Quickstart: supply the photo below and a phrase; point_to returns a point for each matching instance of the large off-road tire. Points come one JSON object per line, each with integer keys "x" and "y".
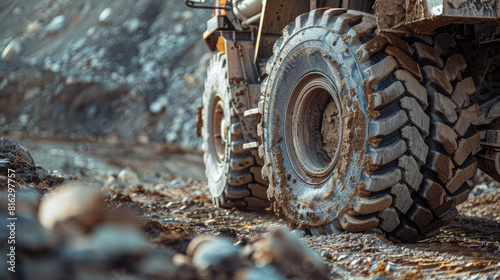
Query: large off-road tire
{"x": 353, "y": 135}
{"x": 229, "y": 168}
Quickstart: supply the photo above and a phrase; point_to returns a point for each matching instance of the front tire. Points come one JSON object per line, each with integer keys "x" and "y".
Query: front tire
{"x": 346, "y": 129}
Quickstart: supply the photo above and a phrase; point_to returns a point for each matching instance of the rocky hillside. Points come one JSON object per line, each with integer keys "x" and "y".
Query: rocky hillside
{"x": 128, "y": 68}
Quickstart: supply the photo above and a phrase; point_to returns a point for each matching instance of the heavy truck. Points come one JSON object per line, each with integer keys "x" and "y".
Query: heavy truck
{"x": 351, "y": 115}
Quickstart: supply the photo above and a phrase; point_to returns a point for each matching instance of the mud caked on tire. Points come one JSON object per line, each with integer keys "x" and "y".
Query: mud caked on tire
{"x": 232, "y": 172}
{"x": 363, "y": 131}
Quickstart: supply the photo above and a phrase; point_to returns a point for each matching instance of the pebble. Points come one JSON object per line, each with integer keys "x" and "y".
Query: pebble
{"x": 55, "y": 25}
{"x": 159, "y": 105}
{"x": 10, "y": 147}
{"x": 105, "y": 16}
{"x": 128, "y": 176}
{"x": 132, "y": 25}
{"x": 13, "y": 48}
{"x": 72, "y": 206}
{"x": 326, "y": 254}
{"x": 176, "y": 184}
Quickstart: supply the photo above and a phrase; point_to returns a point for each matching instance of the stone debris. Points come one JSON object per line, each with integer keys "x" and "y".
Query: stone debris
{"x": 13, "y": 48}
{"x": 55, "y": 25}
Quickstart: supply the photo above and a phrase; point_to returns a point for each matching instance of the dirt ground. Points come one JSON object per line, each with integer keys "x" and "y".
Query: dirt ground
{"x": 168, "y": 186}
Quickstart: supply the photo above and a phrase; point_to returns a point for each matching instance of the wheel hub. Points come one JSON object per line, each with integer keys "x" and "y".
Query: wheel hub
{"x": 219, "y": 135}
{"x": 313, "y": 127}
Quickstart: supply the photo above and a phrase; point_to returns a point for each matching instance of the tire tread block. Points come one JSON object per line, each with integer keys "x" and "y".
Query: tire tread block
{"x": 379, "y": 181}
{"x": 362, "y": 30}
{"x": 433, "y": 193}
{"x": 258, "y": 190}
{"x": 445, "y": 135}
{"x": 236, "y": 192}
{"x": 461, "y": 175}
{"x": 388, "y": 95}
{"x": 442, "y": 165}
{"x": 402, "y": 200}
{"x": 454, "y": 64}
{"x": 239, "y": 178}
{"x": 369, "y": 205}
{"x": 356, "y": 224}
{"x": 411, "y": 174}
{"x": 396, "y": 41}
{"x": 240, "y": 163}
{"x": 405, "y": 62}
{"x": 427, "y": 54}
{"x": 405, "y": 231}
{"x": 420, "y": 215}
{"x": 387, "y": 125}
{"x": 385, "y": 154}
{"x": 465, "y": 147}
{"x": 416, "y": 115}
{"x": 415, "y": 143}
{"x": 443, "y": 105}
{"x": 463, "y": 89}
{"x": 466, "y": 117}
{"x": 381, "y": 70}
{"x": 412, "y": 86}
{"x": 345, "y": 21}
{"x": 389, "y": 219}
{"x": 369, "y": 49}
{"x": 257, "y": 175}
{"x": 437, "y": 78}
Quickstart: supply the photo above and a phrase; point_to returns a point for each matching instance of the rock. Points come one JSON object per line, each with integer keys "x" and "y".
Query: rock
{"x": 176, "y": 184}
{"x": 105, "y": 16}
{"x": 108, "y": 243}
{"x": 158, "y": 105}
{"x": 285, "y": 251}
{"x": 17, "y": 11}
{"x": 130, "y": 207}
{"x": 211, "y": 255}
{"x": 91, "y": 31}
{"x": 9, "y": 147}
{"x": 187, "y": 15}
{"x": 132, "y": 25}
{"x": 178, "y": 29}
{"x": 31, "y": 93}
{"x": 72, "y": 206}
{"x": 128, "y": 176}
{"x": 13, "y": 48}
{"x": 33, "y": 26}
{"x": 55, "y": 25}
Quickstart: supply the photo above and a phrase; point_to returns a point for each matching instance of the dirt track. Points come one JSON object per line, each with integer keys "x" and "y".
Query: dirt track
{"x": 469, "y": 248}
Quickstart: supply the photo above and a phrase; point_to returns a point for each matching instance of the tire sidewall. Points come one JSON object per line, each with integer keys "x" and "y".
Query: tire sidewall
{"x": 215, "y": 85}
{"x": 314, "y": 49}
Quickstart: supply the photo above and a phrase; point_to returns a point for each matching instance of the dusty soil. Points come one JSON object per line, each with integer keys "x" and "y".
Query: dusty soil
{"x": 172, "y": 197}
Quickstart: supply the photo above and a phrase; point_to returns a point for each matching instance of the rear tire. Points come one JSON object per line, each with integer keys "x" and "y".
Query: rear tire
{"x": 375, "y": 175}
{"x": 229, "y": 168}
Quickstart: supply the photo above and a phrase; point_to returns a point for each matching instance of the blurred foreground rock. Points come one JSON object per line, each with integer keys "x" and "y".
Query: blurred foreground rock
{"x": 75, "y": 237}
{"x": 74, "y": 231}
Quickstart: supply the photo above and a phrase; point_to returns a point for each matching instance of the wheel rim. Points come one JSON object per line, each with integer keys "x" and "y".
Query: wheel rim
{"x": 218, "y": 127}
{"x": 312, "y": 158}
